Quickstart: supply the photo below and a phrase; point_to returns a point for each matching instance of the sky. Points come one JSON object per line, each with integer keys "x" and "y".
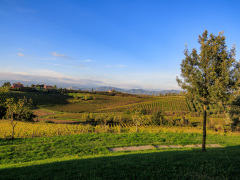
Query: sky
{"x": 120, "y": 43}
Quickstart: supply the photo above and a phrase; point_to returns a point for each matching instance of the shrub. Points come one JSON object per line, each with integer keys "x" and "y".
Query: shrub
{"x": 158, "y": 118}
{"x": 3, "y": 110}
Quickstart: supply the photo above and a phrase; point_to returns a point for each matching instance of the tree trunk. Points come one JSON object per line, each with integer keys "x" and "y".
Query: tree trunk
{"x": 204, "y": 128}
{"x": 136, "y": 128}
{"x": 13, "y": 128}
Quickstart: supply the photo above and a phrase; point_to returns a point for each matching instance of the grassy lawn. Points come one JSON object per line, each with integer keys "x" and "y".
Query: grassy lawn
{"x": 25, "y": 150}
{"x": 218, "y": 163}
{"x": 86, "y": 156}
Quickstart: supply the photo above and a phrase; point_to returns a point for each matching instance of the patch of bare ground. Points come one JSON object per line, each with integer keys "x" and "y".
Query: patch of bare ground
{"x": 131, "y": 148}
{"x": 116, "y": 149}
{"x": 214, "y": 145}
{"x": 162, "y": 146}
{"x": 135, "y": 148}
{"x": 175, "y": 146}
{"x": 190, "y": 146}
{"x": 40, "y": 112}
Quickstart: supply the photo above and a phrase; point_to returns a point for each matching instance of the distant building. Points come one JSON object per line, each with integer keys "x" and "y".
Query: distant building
{"x": 113, "y": 90}
{"x": 48, "y": 87}
{"x": 17, "y": 85}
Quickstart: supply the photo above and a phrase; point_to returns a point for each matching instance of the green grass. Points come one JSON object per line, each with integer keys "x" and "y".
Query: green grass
{"x": 24, "y": 150}
{"x": 222, "y": 163}
{"x": 86, "y": 156}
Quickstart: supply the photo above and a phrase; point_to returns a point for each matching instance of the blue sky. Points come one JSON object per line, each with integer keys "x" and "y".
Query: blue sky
{"x": 121, "y": 43}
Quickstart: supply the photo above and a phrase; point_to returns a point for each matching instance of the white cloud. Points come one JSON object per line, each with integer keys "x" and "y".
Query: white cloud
{"x": 46, "y": 72}
{"x": 23, "y": 55}
{"x": 56, "y": 54}
{"x": 20, "y": 49}
{"x": 51, "y": 77}
{"x": 36, "y": 72}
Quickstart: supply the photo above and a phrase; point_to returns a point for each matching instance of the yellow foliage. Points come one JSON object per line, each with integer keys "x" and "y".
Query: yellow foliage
{"x": 40, "y": 129}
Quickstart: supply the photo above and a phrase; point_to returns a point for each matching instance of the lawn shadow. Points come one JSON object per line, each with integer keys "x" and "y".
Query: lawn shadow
{"x": 216, "y": 163}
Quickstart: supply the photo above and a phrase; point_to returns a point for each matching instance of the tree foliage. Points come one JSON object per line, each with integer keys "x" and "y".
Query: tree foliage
{"x": 138, "y": 118}
{"x": 6, "y": 84}
{"x": 158, "y": 118}
{"x": 211, "y": 75}
{"x": 18, "y": 111}
{"x": 234, "y": 113}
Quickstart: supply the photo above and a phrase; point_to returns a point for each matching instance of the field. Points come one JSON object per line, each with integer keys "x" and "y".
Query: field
{"x": 87, "y": 156}
{"x": 74, "y": 131}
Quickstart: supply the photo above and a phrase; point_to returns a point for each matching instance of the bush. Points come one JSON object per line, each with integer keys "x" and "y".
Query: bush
{"x": 28, "y": 116}
{"x": 3, "y": 110}
{"x": 88, "y": 97}
{"x": 183, "y": 121}
{"x": 158, "y": 119}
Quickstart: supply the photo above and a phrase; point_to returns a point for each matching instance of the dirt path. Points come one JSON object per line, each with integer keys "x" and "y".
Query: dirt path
{"x": 136, "y": 148}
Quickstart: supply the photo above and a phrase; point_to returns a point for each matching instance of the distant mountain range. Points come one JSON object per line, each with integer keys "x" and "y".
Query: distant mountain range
{"x": 131, "y": 91}
{"x": 101, "y": 88}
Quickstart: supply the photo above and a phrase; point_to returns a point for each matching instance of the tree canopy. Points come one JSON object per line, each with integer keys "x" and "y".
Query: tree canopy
{"x": 211, "y": 74}
{"x": 6, "y": 84}
{"x": 18, "y": 111}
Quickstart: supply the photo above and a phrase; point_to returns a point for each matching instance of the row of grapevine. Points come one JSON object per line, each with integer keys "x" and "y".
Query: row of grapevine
{"x": 4, "y": 96}
{"x": 173, "y": 105}
{"x": 31, "y": 130}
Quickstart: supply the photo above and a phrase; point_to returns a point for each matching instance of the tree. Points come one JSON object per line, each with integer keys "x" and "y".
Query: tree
{"x": 137, "y": 118}
{"x": 209, "y": 76}
{"x": 234, "y": 113}
{"x": 18, "y": 111}
{"x": 6, "y": 84}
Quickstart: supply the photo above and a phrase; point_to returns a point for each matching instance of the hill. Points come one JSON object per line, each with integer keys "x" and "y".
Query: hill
{"x": 131, "y": 91}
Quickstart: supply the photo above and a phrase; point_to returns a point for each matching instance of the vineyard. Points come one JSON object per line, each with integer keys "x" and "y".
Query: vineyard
{"x": 78, "y": 104}
{"x": 97, "y": 103}
{"x": 30, "y": 130}
{"x": 85, "y": 107}
{"x": 160, "y": 104}
{"x": 4, "y": 96}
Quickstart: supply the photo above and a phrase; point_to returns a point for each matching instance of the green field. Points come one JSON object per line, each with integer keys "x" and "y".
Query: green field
{"x": 60, "y": 151}
{"x": 76, "y": 106}
{"x": 87, "y": 156}
{"x": 97, "y": 103}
